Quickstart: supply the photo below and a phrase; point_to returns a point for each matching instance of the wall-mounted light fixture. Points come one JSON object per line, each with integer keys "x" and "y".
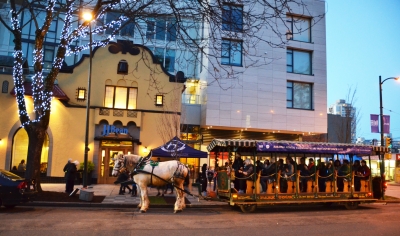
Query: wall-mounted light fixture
{"x": 159, "y": 100}
{"x": 145, "y": 150}
{"x": 81, "y": 94}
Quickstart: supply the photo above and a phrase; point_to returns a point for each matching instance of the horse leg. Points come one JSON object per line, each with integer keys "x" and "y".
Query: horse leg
{"x": 144, "y": 198}
{"x": 180, "y": 201}
{"x": 139, "y": 193}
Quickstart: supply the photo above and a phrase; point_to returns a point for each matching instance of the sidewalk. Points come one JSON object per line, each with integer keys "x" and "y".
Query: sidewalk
{"x": 114, "y": 200}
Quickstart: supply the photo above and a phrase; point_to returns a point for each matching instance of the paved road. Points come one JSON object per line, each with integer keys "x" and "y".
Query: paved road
{"x": 370, "y": 219}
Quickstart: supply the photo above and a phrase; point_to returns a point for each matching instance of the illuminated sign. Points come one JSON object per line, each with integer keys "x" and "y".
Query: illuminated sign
{"x": 107, "y": 129}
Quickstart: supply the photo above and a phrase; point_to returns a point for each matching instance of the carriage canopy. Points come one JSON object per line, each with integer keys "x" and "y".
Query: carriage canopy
{"x": 260, "y": 146}
{"x": 176, "y": 148}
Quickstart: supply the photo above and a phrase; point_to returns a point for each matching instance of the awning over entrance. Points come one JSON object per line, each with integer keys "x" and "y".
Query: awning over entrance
{"x": 177, "y": 148}
{"x": 57, "y": 91}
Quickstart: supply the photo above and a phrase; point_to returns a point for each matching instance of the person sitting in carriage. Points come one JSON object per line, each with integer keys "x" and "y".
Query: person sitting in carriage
{"x": 247, "y": 172}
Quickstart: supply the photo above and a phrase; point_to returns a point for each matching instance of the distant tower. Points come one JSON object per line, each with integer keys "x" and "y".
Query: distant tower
{"x": 347, "y": 111}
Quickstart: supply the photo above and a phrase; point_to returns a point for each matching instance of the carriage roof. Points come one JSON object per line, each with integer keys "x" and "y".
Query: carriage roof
{"x": 282, "y": 146}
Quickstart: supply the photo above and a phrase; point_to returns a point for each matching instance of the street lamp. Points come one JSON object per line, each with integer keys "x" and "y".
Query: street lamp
{"x": 87, "y": 16}
{"x": 382, "y": 131}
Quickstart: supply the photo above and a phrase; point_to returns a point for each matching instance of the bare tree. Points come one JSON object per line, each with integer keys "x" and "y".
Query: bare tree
{"x": 200, "y": 27}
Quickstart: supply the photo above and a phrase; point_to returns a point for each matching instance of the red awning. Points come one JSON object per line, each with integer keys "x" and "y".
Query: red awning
{"x": 57, "y": 91}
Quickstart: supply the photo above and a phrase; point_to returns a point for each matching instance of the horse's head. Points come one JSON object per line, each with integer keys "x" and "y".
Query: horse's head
{"x": 118, "y": 164}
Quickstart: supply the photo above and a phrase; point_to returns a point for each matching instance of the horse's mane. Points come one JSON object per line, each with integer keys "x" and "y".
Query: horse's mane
{"x": 131, "y": 159}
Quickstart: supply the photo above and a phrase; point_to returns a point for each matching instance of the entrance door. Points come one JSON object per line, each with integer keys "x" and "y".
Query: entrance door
{"x": 107, "y": 163}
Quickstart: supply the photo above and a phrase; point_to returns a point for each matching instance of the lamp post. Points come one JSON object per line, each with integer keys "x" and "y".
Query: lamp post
{"x": 382, "y": 131}
{"x": 88, "y": 18}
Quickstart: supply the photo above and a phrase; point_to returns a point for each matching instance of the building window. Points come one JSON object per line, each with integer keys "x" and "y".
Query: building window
{"x": 231, "y": 53}
{"x": 299, "y": 29}
{"x": 48, "y": 56}
{"x": 128, "y": 29}
{"x": 20, "y": 150}
{"x": 110, "y": 17}
{"x": 299, "y": 95}
{"x": 4, "y": 87}
{"x": 159, "y": 100}
{"x": 165, "y": 57}
{"x": 298, "y": 62}
{"x": 161, "y": 29}
{"x": 120, "y": 97}
{"x": 81, "y": 94}
{"x": 232, "y": 18}
{"x": 122, "y": 67}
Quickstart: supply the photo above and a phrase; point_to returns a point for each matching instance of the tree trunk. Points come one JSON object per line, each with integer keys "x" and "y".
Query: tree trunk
{"x": 36, "y": 133}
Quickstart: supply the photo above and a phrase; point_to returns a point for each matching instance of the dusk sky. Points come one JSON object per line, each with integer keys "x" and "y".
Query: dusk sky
{"x": 363, "y": 42}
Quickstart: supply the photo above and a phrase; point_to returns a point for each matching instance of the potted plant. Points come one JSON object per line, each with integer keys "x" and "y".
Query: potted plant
{"x": 90, "y": 169}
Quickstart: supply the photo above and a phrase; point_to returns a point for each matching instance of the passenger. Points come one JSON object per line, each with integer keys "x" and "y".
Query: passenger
{"x": 304, "y": 174}
{"x": 290, "y": 169}
{"x": 236, "y": 166}
{"x": 247, "y": 172}
{"x": 357, "y": 181}
{"x": 228, "y": 169}
{"x": 311, "y": 168}
{"x": 336, "y": 165}
{"x": 363, "y": 173}
{"x": 267, "y": 163}
{"x": 267, "y": 175}
{"x": 343, "y": 173}
{"x": 323, "y": 173}
{"x": 330, "y": 169}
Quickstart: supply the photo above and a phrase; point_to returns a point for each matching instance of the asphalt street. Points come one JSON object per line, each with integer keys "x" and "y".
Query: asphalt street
{"x": 368, "y": 219}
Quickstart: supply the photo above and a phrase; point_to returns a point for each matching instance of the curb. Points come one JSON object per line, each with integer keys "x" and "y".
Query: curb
{"x": 115, "y": 205}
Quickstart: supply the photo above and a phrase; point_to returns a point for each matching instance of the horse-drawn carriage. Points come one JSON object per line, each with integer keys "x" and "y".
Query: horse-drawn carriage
{"x": 297, "y": 188}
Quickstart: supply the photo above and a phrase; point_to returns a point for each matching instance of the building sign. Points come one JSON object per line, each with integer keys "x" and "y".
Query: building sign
{"x": 107, "y": 129}
{"x": 312, "y": 148}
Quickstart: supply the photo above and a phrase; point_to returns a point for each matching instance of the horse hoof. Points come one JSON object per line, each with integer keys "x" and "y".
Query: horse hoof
{"x": 177, "y": 211}
{"x": 142, "y": 211}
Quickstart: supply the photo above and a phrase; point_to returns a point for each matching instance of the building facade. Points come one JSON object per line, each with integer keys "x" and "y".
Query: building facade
{"x": 124, "y": 111}
{"x": 283, "y": 98}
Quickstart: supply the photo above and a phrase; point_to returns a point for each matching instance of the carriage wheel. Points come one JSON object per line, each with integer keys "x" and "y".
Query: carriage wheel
{"x": 351, "y": 205}
{"x": 248, "y": 208}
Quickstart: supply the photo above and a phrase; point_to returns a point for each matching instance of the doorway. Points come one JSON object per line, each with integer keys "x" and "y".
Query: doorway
{"x": 107, "y": 163}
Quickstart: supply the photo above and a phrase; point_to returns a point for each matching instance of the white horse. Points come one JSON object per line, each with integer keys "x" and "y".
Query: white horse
{"x": 155, "y": 175}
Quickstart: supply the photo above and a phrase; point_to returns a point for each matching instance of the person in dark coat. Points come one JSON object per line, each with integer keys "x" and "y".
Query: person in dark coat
{"x": 236, "y": 166}
{"x": 203, "y": 178}
{"x": 65, "y": 175}
{"x": 70, "y": 175}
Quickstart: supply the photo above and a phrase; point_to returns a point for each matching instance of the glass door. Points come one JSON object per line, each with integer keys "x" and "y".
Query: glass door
{"x": 107, "y": 163}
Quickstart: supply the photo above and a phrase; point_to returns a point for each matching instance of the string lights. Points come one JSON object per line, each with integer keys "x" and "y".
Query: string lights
{"x": 41, "y": 96}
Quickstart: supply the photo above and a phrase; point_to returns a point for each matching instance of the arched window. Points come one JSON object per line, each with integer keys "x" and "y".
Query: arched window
{"x": 20, "y": 150}
{"x": 4, "y": 88}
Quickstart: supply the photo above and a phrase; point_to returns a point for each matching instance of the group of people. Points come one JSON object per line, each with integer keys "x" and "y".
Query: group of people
{"x": 244, "y": 171}
{"x": 307, "y": 172}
